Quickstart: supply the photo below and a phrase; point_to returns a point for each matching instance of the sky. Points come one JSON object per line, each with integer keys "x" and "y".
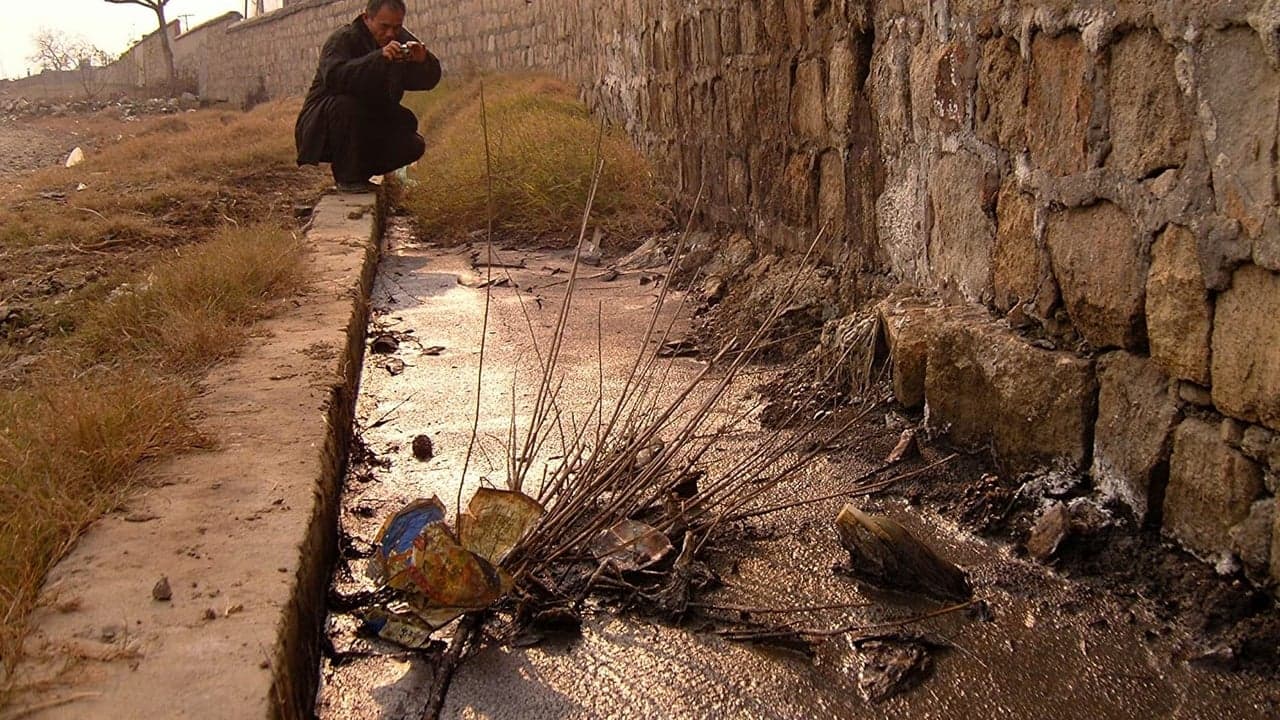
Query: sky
{"x": 111, "y": 27}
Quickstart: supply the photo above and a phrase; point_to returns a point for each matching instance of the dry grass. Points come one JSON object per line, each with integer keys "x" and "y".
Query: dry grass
{"x": 70, "y": 450}
{"x": 543, "y": 145}
{"x": 172, "y": 182}
{"x": 191, "y": 311}
{"x": 129, "y": 289}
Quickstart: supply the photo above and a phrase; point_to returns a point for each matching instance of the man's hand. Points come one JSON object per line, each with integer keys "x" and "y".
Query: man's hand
{"x": 417, "y": 52}
{"x": 395, "y": 52}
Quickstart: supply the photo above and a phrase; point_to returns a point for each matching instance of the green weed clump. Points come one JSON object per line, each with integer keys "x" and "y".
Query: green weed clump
{"x": 542, "y": 143}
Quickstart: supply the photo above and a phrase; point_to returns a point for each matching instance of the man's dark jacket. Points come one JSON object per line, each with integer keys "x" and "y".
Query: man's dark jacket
{"x": 352, "y": 64}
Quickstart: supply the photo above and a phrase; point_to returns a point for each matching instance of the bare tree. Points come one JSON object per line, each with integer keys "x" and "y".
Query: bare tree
{"x": 157, "y": 6}
{"x": 56, "y": 50}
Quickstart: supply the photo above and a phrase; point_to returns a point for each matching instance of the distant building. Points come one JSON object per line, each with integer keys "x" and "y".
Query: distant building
{"x": 254, "y": 8}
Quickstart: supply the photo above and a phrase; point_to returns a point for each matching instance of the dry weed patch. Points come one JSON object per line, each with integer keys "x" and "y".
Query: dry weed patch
{"x": 190, "y": 311}
{"x": 543, "y": 144}
{"x": 69, "y": 451}
{"x": 122, "y": 280}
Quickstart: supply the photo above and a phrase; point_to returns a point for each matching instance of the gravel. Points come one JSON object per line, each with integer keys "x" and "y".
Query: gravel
{"x": 24, "y": 148}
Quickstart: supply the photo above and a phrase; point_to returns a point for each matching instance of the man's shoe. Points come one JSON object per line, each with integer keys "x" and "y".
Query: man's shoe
{"x": 356, "y": 188}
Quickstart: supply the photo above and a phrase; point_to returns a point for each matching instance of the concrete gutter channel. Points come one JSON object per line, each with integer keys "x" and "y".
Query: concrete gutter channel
{"x": 245, "y": 533}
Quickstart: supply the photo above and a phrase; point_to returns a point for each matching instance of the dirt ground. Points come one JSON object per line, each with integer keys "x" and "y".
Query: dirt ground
{"x": 35, "y": 144}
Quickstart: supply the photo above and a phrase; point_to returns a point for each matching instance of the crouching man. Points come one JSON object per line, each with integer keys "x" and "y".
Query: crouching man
{"x": 352, "y": 117}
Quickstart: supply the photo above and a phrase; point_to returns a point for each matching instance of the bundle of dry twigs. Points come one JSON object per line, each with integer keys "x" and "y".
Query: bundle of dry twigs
{"x": 640, "y": 482}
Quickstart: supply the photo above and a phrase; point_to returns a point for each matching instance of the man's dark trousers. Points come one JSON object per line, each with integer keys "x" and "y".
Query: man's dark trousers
{"x": 364, "y": 142}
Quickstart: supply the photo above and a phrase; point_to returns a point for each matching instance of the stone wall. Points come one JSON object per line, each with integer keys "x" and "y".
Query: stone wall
{"x": 193, "y": 49}
{"x": 1100, "y": 179}
{"x": 143, "y": 64}
{"x": 139, "y": 67}
{"x": 1086, "y": 190}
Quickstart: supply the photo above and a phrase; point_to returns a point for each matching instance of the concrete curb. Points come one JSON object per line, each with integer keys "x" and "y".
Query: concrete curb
{"x": 298, "y": 649}
{"x": 244, "y": 533}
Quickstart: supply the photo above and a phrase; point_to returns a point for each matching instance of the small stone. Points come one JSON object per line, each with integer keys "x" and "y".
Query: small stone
{"x": 1049, "y": 531}
{"x": 423, "y": 448}
{"x": 906, "y": 448}
{"x": 1232, "y": 432}
{"x": 1087, "y": 516}
{"x": 161, "y": 591}
{"x": 1195, "y": 394}
{"x": 1256, "y": 442}
{"x": 1251, "y": 539}
{"x": 1164, "y": 183}
{"x": 234, "y": 609}
{"x": 210, "y": 614}
{"x": 1018, "y": 318}
{"x": 111, "y": 633}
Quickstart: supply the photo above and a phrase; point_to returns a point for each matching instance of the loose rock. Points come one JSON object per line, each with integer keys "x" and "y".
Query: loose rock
{"x": 161, "y": 591}
{"x": 1049, "y": 532}
{"x": 423, "y": 448}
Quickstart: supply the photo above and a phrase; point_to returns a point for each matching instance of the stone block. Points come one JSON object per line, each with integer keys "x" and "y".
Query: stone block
{"x": 1255, "y": 443}
{"x": 1002, "y": 95}
{"x": 831, "y": 193}
{"x": 899, "y": 220}
{"x": 1149, "y": 125}
{"x": 962, "y": 239}
{"x": 909, "y": 328}
{"x": 1179, "y": 315}
{"x": 1059, "y": 104}
{"x": 889, "y": 93}
{"x": 1245, "y": 117}
{"x": 953, "y": 85}
{"x": 842, "y": 82}
{"x": 1252, "y": 537}
{"x": 1211, "y": 489}
{"x": 808, "y": 117}
{"x": 1133, "y": 433}
{"x": 987, "y": 384}
{"x": 1195, "y": 394}
{"x": 1021, "y": 271}
{"x": 1246, "y": 347}
{"x": 1101, "y": 267}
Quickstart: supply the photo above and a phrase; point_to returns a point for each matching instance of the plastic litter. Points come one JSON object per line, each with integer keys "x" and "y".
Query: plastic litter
{"x": 630, "y": 545}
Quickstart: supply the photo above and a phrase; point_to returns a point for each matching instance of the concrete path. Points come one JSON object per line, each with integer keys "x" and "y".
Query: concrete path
{"x": 241, "y": 532}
